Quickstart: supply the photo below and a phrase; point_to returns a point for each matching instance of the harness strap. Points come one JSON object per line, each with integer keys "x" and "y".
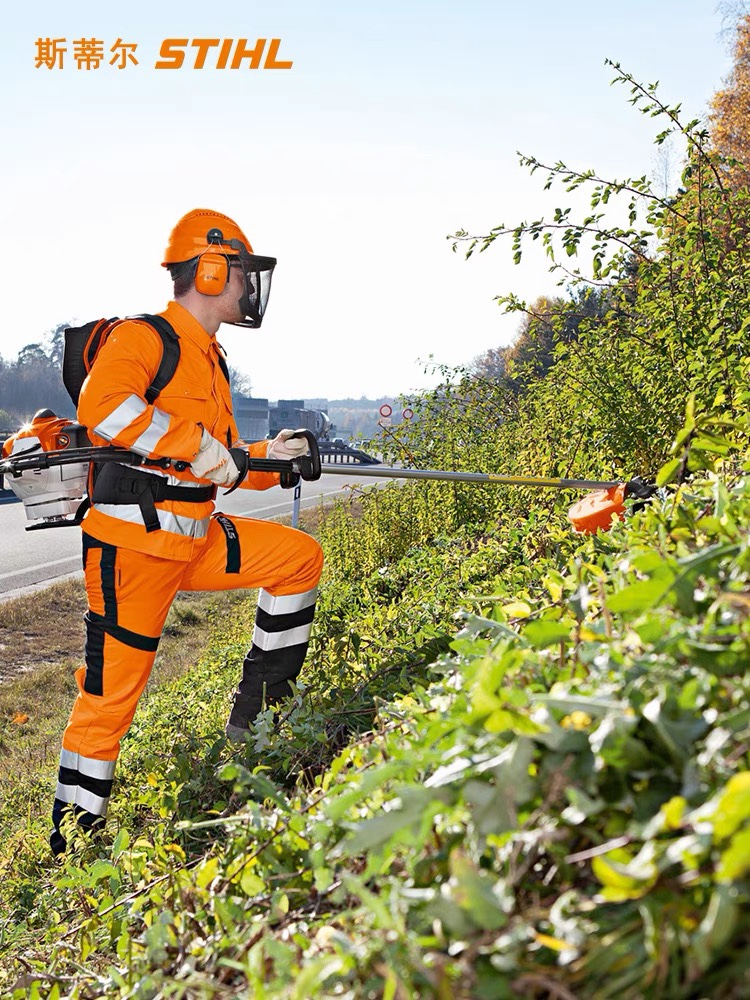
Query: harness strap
{"x": 170, "y": 354}
{"x": 119, "y": 484}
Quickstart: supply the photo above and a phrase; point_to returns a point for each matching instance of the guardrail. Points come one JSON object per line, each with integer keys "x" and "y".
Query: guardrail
{"x": 336, "y": 452}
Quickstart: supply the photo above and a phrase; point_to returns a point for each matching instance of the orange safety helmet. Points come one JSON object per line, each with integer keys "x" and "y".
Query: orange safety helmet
{"x": 189, "y": 239}
{"x": 214, "y": 238}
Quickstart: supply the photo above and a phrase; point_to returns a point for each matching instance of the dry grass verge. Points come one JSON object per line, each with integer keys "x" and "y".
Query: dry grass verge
{"x": 41, "y": 629}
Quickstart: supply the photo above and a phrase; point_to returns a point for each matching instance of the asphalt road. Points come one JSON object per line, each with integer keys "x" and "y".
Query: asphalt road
{"x": 30, "y": 559}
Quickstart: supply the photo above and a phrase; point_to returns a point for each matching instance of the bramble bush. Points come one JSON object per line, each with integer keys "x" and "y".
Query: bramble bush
{"x": 557, "y": 801}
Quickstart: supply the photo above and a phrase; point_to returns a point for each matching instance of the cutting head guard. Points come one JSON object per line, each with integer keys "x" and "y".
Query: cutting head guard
{"x": 215, "y": 242}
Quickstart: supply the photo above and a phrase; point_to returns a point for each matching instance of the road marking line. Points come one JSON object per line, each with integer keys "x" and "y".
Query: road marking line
{"x": 44, "y": 565}
{"x": 275, "y": 506}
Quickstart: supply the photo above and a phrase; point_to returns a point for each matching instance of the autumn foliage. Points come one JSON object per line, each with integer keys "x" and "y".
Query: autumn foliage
{"x": 730, "y": 112}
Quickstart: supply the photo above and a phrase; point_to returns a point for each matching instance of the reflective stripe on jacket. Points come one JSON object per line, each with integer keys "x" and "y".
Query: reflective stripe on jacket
{"x": 113, "y": 406}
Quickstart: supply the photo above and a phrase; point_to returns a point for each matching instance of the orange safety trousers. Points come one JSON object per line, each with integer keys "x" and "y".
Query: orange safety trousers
{"x": 129, "y": 595}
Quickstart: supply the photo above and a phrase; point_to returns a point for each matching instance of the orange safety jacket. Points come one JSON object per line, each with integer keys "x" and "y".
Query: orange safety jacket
{"x": 113, "y": 407}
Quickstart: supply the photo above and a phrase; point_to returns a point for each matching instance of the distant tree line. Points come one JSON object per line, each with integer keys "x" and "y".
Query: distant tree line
{"x": 33, "y": 381}
{"x": 547, "y": 323}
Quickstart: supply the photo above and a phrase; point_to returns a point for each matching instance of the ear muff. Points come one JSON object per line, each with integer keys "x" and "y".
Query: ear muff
{"x": 212, "y": 274}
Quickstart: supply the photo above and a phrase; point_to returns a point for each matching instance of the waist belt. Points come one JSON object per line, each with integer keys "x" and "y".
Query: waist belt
{"x": 123, "y": 485}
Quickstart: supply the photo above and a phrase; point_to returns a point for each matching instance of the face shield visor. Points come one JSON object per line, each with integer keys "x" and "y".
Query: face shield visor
{"x": 257, "y": 272}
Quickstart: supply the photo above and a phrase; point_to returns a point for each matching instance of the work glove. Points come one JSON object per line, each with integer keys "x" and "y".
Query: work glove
{"x": 214, "y": 462}
{"x": 286, "y": 447}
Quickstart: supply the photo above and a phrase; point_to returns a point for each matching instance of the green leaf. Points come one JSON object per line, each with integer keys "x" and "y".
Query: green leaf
{"x": 102, "y": 869}
{"x": 314, "y": 973}
{"x": 674, "y": 811}
{"x": 207, "y": 872}
{"x": 626, "y": 877}
{"x": 481, "y": 894}
{"x": 372, "y": 902}
{"x": 717, "y": 926}
{"x": 668, "y": 471}
{"x": 690, "y": 411}
{"x": 517, "y": 609}
{"x": 121, "y": 842}
{"x": 638, "y": 597}
{"x": 732, "y": 806}
{"x": 357, "y": 792}
{"x": 266, "y": 789}
{"x": 546, "y": 633}
{"x": 504, "y": 719}
{"x": 572, "y": 702}
{"x": 416, "y": 803}
{"x": 734, "y": 862}
{"x": 251, "y": 883}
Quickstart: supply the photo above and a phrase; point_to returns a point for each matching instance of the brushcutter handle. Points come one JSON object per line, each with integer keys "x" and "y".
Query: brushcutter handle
{"x": 14, "y": 465}
{"x": 241, "y": 459}
{"x": 305, "y": 467}
{"x": 308, "y": 465}
{"x": 290, "y": 471}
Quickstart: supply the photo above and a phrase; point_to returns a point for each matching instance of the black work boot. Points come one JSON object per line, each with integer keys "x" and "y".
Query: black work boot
{"x": 246, "y": 705}
{"x": 251, "y": 698}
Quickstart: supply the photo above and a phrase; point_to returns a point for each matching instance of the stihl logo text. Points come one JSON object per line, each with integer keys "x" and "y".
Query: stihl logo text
{"x": 221, "y": 53}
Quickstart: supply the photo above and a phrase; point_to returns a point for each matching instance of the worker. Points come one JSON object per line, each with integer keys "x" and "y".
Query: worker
{"x": 151, "y": 532}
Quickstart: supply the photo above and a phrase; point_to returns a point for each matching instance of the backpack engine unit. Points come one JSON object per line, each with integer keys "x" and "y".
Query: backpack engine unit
{"x": 51, "y": 496}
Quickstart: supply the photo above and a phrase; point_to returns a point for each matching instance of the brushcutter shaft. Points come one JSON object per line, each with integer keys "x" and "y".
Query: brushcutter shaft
{"x": 386, "y": 472}
{"x": 308, "y": 466}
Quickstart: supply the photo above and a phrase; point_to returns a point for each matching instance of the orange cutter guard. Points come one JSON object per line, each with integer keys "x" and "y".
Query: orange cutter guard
{"x": 597, "y": 510}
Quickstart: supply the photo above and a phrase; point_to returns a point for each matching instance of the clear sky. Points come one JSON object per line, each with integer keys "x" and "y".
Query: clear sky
{"x": 397, "y": 124}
